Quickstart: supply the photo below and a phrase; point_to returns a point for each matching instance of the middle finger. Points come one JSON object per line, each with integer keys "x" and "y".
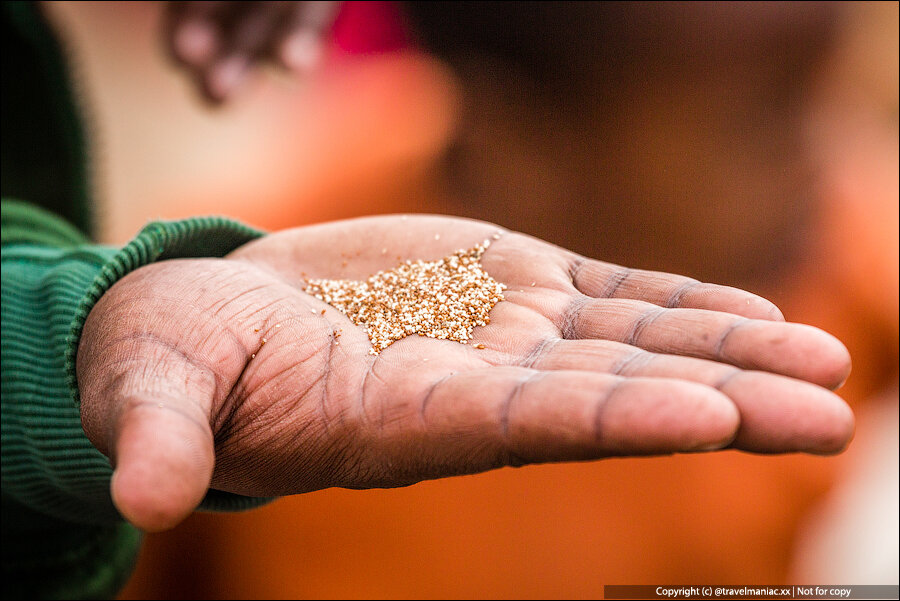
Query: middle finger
{"x": 808, "y": 417}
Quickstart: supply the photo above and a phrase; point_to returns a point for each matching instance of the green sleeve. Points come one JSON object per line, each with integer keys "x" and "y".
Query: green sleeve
{"x": 61, "y": 532}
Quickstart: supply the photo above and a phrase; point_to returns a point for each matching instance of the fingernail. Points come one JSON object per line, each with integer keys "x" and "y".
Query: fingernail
{"x": 195, "y": 42}
{"x": 226, "y": 75}
{"x": 716, "y": 446}
{"x": 301, "y": 51}
{"x": 706, "y": 446}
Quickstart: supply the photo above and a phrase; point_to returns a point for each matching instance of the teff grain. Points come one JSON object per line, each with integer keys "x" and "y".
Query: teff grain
{"x": 444, "y": 299}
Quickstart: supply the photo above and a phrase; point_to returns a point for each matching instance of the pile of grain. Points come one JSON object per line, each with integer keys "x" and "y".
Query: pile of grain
{"x": 443, "y": 299}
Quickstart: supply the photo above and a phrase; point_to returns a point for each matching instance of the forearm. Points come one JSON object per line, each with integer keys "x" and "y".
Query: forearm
{"x": 58, "y": 516}
{"x": 48, "y": 464}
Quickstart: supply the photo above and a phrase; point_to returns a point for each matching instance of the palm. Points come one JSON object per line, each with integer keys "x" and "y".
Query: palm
{"x": 582, "y": 360}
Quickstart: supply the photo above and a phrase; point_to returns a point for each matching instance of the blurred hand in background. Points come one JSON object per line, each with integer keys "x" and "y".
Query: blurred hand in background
{"x": 220, "y": 43}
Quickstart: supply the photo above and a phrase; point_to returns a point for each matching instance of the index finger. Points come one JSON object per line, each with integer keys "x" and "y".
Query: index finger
{"x": 478, "y": 420}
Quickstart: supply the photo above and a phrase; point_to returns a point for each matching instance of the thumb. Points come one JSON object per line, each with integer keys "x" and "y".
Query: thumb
{"x": 163, "y": 454}
{"x": 150, "y": 415}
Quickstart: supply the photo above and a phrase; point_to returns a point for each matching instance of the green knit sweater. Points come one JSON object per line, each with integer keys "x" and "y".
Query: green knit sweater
{"x": 62, "y": 536}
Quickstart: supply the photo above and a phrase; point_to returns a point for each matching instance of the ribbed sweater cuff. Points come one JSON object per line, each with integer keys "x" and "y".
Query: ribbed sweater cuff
{"x": 48, "y": 463}
{"x": 158, "y": 241}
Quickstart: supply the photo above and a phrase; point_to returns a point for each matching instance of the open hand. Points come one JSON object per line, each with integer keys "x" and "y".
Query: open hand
{"x": 223, "y": 373}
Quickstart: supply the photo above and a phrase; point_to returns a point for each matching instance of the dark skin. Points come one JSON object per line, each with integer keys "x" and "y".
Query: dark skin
{"x": 593, "y": 361}
{"x": 225, "y": 374}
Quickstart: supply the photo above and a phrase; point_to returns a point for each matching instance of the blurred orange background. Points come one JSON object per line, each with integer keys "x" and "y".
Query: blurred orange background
{"x": 371, "y": 133}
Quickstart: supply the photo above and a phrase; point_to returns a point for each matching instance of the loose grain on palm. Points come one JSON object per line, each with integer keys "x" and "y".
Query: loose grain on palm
{"x": 445, "y": 299}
